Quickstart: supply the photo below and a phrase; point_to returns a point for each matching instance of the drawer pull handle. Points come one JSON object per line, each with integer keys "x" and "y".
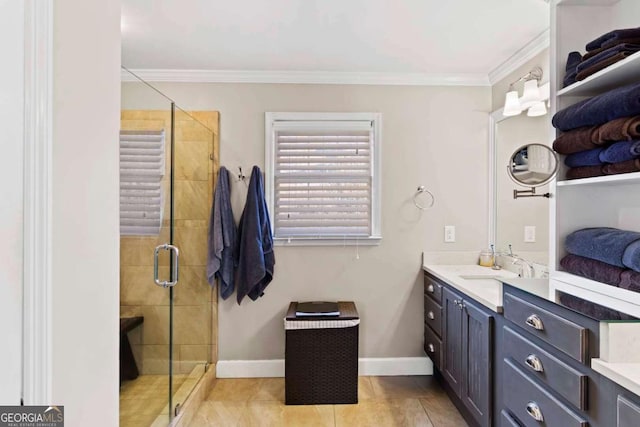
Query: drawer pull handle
{"x": 432, "y": 349}
{"x": 430, "y": 289}
{"x": 534, "y": 363}
{"x": 534, "y": 410}
{"x": 535, "y": 322}
{"x": 430, "y": 315}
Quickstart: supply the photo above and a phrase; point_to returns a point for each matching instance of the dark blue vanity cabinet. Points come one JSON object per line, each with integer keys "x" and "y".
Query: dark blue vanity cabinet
{"x": 546, "y": 379}
{"x": 527, "y": 366}
{"x": 465, "y": 348}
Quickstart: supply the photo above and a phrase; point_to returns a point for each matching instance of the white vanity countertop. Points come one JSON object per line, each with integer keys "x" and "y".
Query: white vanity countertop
{"x": 477, "y": 282}
{"x": 625, "y": 374}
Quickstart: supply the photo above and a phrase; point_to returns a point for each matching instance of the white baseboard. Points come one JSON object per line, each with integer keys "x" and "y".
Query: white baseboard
{"x": 366, "y": 367}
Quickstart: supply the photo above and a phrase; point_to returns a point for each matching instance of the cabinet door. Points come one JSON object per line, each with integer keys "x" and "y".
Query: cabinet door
{"x": 476, "y": 361}
{"x": 452, "y": 339}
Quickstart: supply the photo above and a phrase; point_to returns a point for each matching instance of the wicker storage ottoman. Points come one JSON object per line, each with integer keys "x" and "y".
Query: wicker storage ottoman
{"x": 321, "y": 357}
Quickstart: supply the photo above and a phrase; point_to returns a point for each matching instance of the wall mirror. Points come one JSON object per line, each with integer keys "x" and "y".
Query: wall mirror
{"x": 520, "y": 161}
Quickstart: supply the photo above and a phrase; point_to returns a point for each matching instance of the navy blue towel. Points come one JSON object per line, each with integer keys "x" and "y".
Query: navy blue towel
{"x": 604, "y": 244}
{"x": 222, "y": 237}
{"x": 584, "y": 158}
{"x": 620, "y": 152}
{"x": 612, "y": 36}
{"x": 573, "y": 60}
{"x": 631, "y": 256}
{"x": 255, "y": 255}
{"x": 620, "y": 102}
{"x": 606, "y": 54}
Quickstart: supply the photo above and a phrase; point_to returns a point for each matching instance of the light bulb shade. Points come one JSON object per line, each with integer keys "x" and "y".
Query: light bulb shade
{"x": 537, "y": 109}
{"x": 531, "y": 94}
{"x": 512, "y": 104}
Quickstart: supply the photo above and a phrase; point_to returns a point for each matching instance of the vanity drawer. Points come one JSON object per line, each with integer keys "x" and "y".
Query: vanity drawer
{"x": 433, "y": 315}
{"x": 566, "y": 336}
{"x": 628, "y": 413}
{"x": 433, "y": 288}
{"x": 532, "y": 404}
{"x": 568, "y": 382}
{"x": 433, "y": 346}
{"x": 506, "y": 420}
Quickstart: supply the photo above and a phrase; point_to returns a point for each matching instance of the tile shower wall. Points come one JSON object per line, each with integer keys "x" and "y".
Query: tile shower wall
{"x": 195, "y": 304}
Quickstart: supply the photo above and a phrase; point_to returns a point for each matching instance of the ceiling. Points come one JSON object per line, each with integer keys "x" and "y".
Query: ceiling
{"x": 375, "y": 36}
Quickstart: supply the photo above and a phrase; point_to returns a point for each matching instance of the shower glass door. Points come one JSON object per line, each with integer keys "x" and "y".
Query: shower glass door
{"x": 191, "y": 299}
{"x": 164, "y": 223}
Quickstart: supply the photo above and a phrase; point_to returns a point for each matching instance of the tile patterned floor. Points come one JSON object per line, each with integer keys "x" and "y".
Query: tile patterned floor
{"x": 383, "y": 401}
{"x": 143, "y": 399}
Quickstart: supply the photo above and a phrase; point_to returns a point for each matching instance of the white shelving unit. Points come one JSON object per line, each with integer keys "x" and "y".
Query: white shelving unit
{"x": 608, "y": 201}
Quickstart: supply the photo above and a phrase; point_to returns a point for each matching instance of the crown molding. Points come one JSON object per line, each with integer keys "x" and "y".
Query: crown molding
{"x": 521, "y": 57}
{"x": 306, "y": 77}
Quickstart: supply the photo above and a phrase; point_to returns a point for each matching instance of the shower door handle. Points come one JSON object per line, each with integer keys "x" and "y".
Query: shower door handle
{"x": 175, "y": 261}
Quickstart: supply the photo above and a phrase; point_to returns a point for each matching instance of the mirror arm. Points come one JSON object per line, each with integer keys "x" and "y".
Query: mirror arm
{"x": 517, "y": 194}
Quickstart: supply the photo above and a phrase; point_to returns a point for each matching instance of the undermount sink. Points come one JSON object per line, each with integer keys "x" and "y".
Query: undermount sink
{"x": 483, "y": 279}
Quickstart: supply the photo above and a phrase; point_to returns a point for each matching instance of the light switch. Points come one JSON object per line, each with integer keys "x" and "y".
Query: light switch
{"x": 529, "y": 233}
{"x": 449, "y": 233}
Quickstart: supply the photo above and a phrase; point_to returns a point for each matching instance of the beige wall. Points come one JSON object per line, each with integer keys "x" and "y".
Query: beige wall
{"x": 86, "y": 108}
{"x": 432, "y": 136}
{"x": 513, "y": 215}
{"x": 195, "y": 326}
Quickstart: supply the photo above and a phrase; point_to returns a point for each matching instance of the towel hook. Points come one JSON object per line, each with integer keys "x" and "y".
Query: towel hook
{"x": 419, "y": 191}
{"x": 241, "y": 176}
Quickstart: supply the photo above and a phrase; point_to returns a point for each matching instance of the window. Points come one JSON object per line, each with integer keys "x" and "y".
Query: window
{"x": 141, "y": 171}
{"x": 323, "y": 177}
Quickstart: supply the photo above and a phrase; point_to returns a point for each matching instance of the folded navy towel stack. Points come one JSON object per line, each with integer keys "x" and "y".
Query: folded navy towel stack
{"x": 620, "y": 152}
{"x": 602, "y": 52}
{"x": 620, "y": 102}
{"x": 612, "y": 246}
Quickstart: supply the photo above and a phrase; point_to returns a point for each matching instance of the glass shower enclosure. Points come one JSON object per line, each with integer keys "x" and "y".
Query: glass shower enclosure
{"x": 168, "y": 159}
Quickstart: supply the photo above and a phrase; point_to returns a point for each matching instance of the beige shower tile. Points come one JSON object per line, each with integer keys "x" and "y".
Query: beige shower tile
{"x": 138, "y": 288}
{"x": 190, "y": 200}
{"x": 192, "y": 223}
{"x": 192, "y": 288}
{"x": 192, "y": 160}
{"x": 155, "y": 361}
{"x": 138, "y": 251}
{"x": 195, "y": 353}
{"x": 192, "y": 324}
{"x": 190, "y": 130}
{"x": 193, "y": 245}
{"x": 155, "y": 329}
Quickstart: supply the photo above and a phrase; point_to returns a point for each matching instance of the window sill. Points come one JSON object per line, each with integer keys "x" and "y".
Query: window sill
{"x": 327, "y": 241}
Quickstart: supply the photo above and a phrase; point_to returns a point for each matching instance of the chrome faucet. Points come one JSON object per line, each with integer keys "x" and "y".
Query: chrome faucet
{"x": 525, "y": 267}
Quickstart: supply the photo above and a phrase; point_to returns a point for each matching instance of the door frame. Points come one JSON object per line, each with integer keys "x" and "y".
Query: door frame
{"x": 37, "y": 231}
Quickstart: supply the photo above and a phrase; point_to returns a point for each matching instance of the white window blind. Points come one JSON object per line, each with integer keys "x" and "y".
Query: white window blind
{"x": 323, "y": 179}
{"x": 142, "y": 167}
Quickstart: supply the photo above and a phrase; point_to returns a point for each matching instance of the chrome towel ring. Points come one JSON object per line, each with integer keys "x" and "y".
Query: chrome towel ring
{"x": 419, "y": 191}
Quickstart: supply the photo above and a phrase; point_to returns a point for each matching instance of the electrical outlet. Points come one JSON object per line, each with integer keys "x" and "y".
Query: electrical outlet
{"x": 449, "y": 233}
{"x": 529, "y": 233}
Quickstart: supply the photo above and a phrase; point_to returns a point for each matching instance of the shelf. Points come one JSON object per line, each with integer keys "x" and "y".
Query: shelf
{"x": 604, "y": 181}
{"x": 619, "y": 74}
{"x": 600, "y": 293}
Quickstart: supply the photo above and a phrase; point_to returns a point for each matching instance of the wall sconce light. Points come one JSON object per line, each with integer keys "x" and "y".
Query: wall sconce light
{"x": 532, "y": 99}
